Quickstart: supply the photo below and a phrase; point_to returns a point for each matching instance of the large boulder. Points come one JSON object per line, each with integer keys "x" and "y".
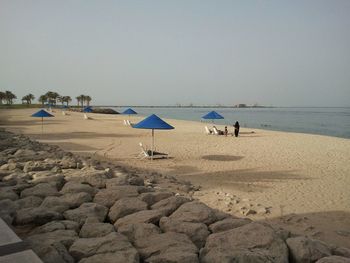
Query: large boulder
{"x": 254, "y": 242}
{"x": 37, "y": 166}
{"x": 228, "y": 223}
{"x": 109, "y": 196}
{"x": 126, "y": 206}
{"x": 89, "y": 230}
{"x": 167, "y": 247}
{"x": 85, "y": 211}
{"x": 56, "y": 225}
{"x": 112, "y": 243}
{"x": 54, "y": 203}
{"x": 341, "y": 251}
{"x": 91, "y": 176}
{"x": 36, "y": 216}
{"x": 169, "y": 205}
{"x": 52, "y": 253}
{"x": 41, "y": 190}
{"x": 137, "y": 231}
{"x": 154, "y": 197}
{"x": 8, "y": 193}
{"x": 56, "y": 180}
{"x": 197, "y": 232}
{"x": 66, "y": 201}
{"x": 303, "y": 249}
{"x": 117, "y": 257}
{"x": 7, "y": 210}
{"x": 334, "y": 259}
{"x": 195, "y": 212}
{"x": 66, "y": 237}
{"x": 29, "y": 201}
{"x": 73, "y": 187}
{"x": 145, "y": 216}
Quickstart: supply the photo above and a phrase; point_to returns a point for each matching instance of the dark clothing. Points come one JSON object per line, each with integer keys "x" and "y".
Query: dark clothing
{"x": 236, "y": 128}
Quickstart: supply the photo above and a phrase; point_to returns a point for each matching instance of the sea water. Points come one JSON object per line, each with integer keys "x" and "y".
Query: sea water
{"x": 324, "y": 121}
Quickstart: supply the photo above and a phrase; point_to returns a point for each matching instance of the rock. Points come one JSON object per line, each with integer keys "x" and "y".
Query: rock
{"x": 54, "y": 203}
{"x": 56, "y": 225}
{"x": 197, "y": 232}
{"x": 9, "y": 166}
{"x": 137, "y": 231}
{"x": 8, "y": 193}
{"x": 167, "y": 247}
{"x": 118, "y": 181}
{"x": 7, "y": 210}
{"x": 124, "y": 207}
{"x": 254, "y": 242}
{"x": 72, "y": 187}
{"x": 248, "y": 212}
{"x": 341, "y": 251}
{"x": 146, "y": 216}
{"x": 56, "y": 180}
{"x": 303, "y": 249}
{"x": 91, "y": 176}
{"x": 66, "y": 237}
{"x": 52, "y": 253}
{"x": 29, "y": 201}
{"x": 68, "y": 162}
{"x": 117, "y": 257}
{"x": 334, "y": 259}
{"x": 76, "y": 199}
{"x": 109, "y": 196}
{"x": 112, "y": 243}
{"x": 154, "y": 197}
{"x": 169, "y": 205}
{"x": 41, "y": 190}
{"x": 37, "y": 166}
{"x": 24, "y": 152}
{"x": 86, "y": 210}
{"x": 228, "y": 223}
{"x": 195, "y": 212}
{"x": 96, "y": 230}
{"x": 37, "y": 216}
{"x": 135, "y": 180}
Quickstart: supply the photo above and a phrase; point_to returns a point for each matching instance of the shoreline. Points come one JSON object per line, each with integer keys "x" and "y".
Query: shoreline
{"x": 303, "y": 176}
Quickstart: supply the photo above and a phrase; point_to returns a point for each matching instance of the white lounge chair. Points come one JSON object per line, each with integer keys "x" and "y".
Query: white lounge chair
{"x": 148, "y": 153}
{"x": 125, "y": 123}
{"x": 208, "y": 131}
{"x": 128, "y": 122}
{"x": 86, "y": 117}
{"x": 63, "y": 113}
{"x": 217, "y": 132}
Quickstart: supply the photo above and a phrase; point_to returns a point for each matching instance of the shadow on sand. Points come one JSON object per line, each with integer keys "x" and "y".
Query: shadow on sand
{"x": 77, "y": 135}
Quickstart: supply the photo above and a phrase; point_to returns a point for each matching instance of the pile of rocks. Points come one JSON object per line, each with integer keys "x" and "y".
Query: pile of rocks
{"x": 71, "y": 209}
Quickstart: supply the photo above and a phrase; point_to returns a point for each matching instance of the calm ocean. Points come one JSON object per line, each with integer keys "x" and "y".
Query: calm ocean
{"x": 324, "y": 121}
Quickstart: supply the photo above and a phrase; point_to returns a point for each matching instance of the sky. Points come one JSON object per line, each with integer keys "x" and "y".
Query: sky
{"x": 270, "y": 52}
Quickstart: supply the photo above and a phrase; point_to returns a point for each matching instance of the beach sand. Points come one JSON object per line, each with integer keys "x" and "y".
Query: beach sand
{"x": 302, "y": 180}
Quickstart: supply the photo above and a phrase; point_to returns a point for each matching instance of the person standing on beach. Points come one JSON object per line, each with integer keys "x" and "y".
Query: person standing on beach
{"x": 226, "y": 131}
{"x": 236, "y": 128}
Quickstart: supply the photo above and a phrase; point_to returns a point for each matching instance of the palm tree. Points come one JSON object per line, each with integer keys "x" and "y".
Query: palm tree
{"x": 82, "y": 100}
{"x": 2, "y": 96}
{"x": 67, "y": 99}
{"x": 9, "y": 96}
{"x": 25, "y": 99}
{"x": 88, "y": 99}
{"x": 60, "y": 99}
{"x": 42, "y": 99}
{"x": 78, "y": 100}
{"x": 52, "y": 97}
{"x": 28, "y": 98}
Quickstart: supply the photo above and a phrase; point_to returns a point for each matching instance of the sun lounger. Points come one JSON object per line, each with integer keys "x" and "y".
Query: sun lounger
{"x": 208, "y": 131}
{"x": 128, "y": 123}
{"x": 217, "y": 132}
{"x": 125, "y": 123}
{"x": 148, "y": 153}
{"x": 86, "y": 117}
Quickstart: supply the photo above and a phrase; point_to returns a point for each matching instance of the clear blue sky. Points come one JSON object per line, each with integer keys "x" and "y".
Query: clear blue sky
{"x": 282, "y": 53}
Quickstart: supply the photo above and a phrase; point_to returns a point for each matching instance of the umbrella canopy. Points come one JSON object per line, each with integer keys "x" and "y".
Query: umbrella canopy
{"x": 87, "y": 109}
{"x": 42, "y": 114}
{"x": 153, "y": 122}
{"x": 213, "y": 115}
{"x": 129, "y": 111}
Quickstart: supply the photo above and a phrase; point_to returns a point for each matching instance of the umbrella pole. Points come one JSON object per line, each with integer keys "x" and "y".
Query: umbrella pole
{"x": 152, "y": 144}
{"x": 42, "y": 127}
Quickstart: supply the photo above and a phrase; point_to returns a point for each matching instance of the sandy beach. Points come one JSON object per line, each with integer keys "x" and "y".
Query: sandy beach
{"x": 302, "y": 181}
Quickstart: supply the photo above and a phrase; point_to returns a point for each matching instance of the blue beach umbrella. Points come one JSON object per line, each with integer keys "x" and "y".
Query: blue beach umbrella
{"x": 153, "y": 122}
{"x": 129, "y": 111}
{"x": 213, "y": 115}
{"x": 87, "y": 109}
{"x": 42, "y": 114}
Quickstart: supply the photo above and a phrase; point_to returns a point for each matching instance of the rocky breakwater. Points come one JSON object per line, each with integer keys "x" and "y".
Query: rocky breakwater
{"x": 97, "y": 110}
{"x": 71, "y": 209}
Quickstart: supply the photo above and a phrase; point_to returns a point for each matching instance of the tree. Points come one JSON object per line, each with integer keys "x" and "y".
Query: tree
{"x": 66, "y": 99}
{"x": 88, "y": 99}
{"x": 24, "y": 99}
{"x": 78, "y": 100}
{"x": 42, "y": 99}
{"x": 60, "y": 99}
{"x": 82, "y": 100}
{"x": 9, "y": 97}
{"x": 28, "y": 98}
{"x": 2, "y": 96}
{"x": 52, "y": 97}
